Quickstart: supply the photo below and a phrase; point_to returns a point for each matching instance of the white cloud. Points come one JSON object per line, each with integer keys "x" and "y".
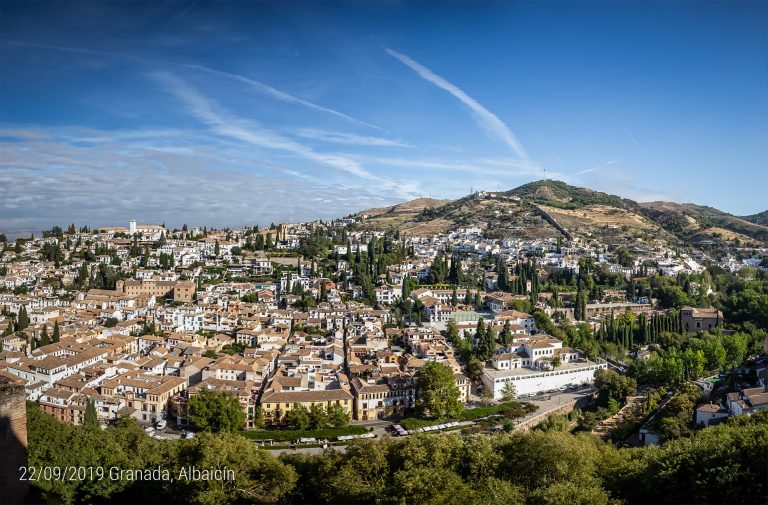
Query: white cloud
{"x": 487, "y": 120}
{"x": 249, "y": 131}
{"x": 67, "y": 178}
{"x": 349, "y": 138}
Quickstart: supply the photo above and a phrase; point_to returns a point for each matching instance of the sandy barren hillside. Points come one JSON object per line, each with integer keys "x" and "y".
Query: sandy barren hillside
{"x": 592, "y": 217}
{"x": 696, "y": 222}
{"x": 400, "y": 215}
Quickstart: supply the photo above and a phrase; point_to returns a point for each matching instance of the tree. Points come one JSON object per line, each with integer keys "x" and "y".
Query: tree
{"x": 578, "y": 314}
{"x": 438, "y": 393}
{"x": 258, "y": 418}
{"x": 337, "y": 416}
{"x": 505, "y": 335}
{"x": 502, "y": 275}
{"x": 44, "y": 339}
{"x": 508, "y": 392}
{"x": 555, "y": 362}
{"x": 216, "y": 411}
{"x": 406, "y": 288}
{"x": 317, "y": 416}
{"x": 452, "y": 331}
{"x": 454, "y": 275}
{"x": 612, "y": 386}
{"x": 714, "y": 352}
{"x": 475, "y": 368}
{"x": 438, "y": 270}
{"x": 486, "y": 397}
{"x": 90, "y": 418}
{"x": 625, "y": 258}
{"x": 56, "y": 334}
{"x": 486, "y": 342}
{"x": 22, "y": 319}
{"x": 299, "y": 417}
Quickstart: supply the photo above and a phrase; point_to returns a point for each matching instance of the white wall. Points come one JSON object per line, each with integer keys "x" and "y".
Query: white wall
{"x": 542, "y": 381}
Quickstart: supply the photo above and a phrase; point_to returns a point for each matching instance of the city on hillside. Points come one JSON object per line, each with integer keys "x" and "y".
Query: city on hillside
{"x": 320, "y": 324}
{"x": 383, "y": 252}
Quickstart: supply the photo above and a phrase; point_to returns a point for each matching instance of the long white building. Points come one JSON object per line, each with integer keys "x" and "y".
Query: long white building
{"x": 527, "y": 364}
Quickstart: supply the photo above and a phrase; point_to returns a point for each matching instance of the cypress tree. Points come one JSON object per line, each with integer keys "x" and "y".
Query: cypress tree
{"x": 91, "y": 419}
{"x": 22, "y": 320}
{"x": 577, "y": 308}
{"x": 44, "y": 338}
{"x": 406, "y": 288}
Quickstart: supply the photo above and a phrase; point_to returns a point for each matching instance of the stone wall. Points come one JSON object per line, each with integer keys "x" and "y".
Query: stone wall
{"x": 566, "y": 408}
{"x": 13, "y": 440}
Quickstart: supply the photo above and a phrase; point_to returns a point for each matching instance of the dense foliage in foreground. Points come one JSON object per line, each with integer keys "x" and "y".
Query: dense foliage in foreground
{"x": 723, "y": 464}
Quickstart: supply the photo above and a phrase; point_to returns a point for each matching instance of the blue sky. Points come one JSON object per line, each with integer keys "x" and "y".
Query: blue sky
{"x": 231, "y": 113}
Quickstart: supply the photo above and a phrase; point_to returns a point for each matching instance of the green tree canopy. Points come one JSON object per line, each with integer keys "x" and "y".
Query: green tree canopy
{"x": 438, "y": 393}
{"x": 216, "y": 411}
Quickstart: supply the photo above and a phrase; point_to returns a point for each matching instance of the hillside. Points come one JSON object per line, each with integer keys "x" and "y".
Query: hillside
{"x": 562, "y": 195}
{"x": 540, "y": 209}
{"x": 761, "y": 218}
{"x": 400, "y": 216}
{"x": 697, "y": 222}
{"x": 550, "y": 208}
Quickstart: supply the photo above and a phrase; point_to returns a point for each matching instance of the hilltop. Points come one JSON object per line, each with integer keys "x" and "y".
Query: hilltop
{"x": 760, "y": 218}
{"x": 549, "y": 208}
{"x": 697, "y": 222}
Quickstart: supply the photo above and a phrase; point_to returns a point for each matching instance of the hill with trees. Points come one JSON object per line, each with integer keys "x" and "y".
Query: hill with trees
{"x": 697, "y": 222}
{"x": 760, "y": 218}
{"x": 550, "y": 208}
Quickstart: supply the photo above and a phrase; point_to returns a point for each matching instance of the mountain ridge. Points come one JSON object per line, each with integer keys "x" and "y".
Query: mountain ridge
{"x": 547, "y": 208}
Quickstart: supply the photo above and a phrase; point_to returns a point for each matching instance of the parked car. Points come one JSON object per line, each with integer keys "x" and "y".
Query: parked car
{"x": 189, "y": 435}
{"x": 149, "y": 429}
{"x": 161, "y": 424}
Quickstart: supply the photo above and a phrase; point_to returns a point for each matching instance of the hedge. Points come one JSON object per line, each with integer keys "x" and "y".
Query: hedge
{"x": 512, "y": 410}
{"x": 289, "y": 435}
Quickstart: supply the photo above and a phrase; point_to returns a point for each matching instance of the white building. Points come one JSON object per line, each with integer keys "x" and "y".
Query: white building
{"x": 527, "y": 365}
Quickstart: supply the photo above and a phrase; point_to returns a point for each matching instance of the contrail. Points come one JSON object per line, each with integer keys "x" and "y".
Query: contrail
{"x": 486, "y": 119}
{"x": 259, "y": 86}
